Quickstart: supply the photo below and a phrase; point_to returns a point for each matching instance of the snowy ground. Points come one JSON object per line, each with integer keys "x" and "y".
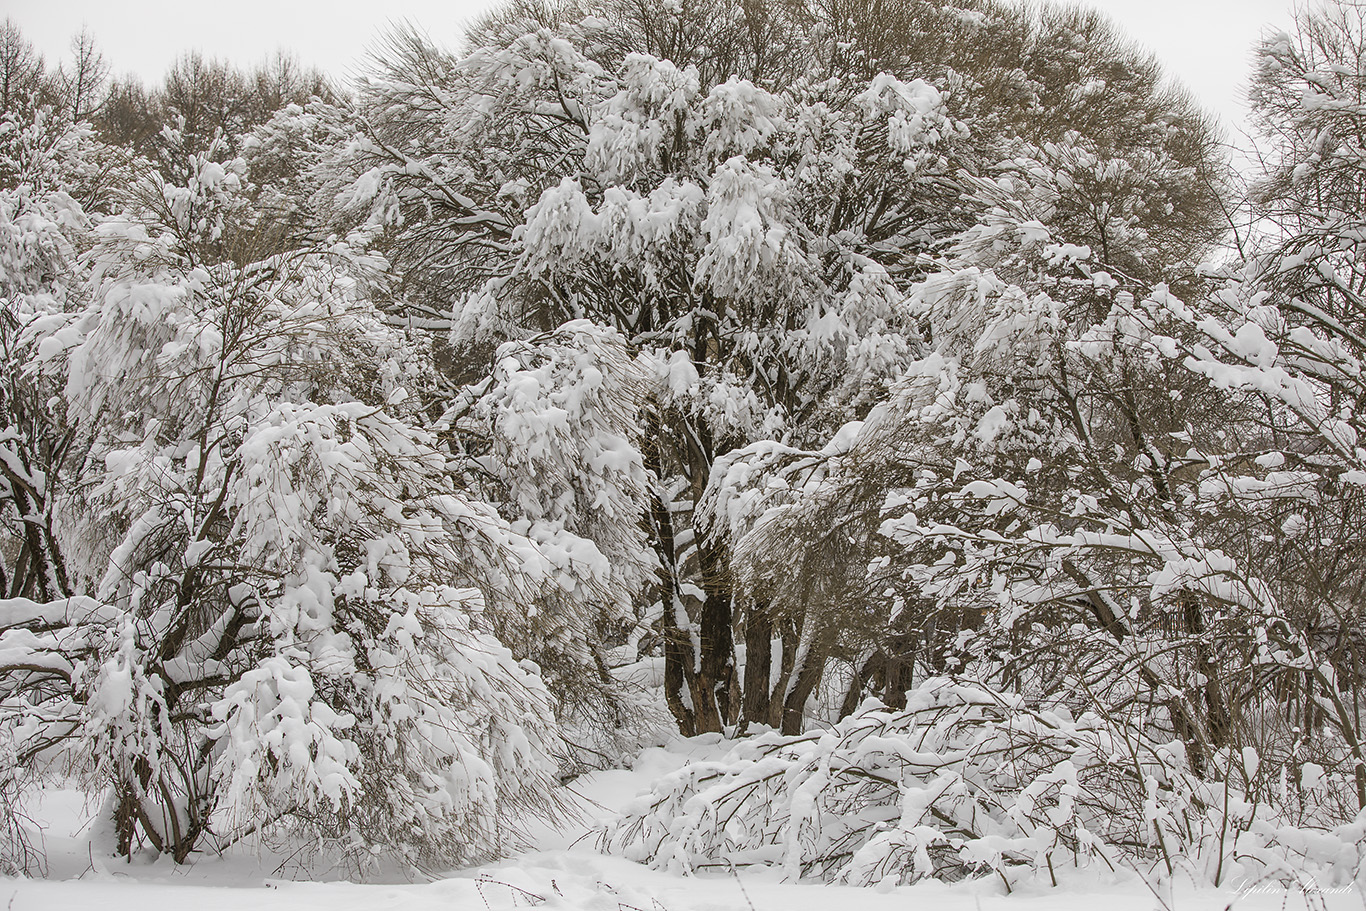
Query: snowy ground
{"x": 563, "y": 874}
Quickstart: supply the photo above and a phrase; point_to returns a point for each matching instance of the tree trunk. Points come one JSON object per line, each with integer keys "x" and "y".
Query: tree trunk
{"x": 863, "y": 676}
{"x": 716, "y": 639}
{"x": 758, "y": 665}
{"x": 679, "y": 656}
{"x": 810, "y": 667}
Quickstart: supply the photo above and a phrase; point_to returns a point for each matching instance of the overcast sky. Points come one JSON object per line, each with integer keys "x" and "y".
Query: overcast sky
{"x": 1205, "y": 43}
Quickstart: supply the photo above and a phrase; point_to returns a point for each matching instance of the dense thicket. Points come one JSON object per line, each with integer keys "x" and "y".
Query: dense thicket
{"x": 369, "y": 458}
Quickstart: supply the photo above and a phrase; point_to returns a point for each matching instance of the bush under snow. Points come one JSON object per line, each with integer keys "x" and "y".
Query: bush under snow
{"x": 968, "y": 781}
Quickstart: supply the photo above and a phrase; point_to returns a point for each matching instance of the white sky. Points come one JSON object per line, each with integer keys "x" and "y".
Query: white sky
{"x": 1204, "y": 43}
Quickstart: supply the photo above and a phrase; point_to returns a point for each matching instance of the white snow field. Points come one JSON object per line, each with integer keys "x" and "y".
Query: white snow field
{"x": 566, "y": 873}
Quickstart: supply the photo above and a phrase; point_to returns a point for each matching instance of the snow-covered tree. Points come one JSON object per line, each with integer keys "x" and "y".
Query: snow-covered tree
{"x": 1128, "y": 512}
{"x": 49, "y": 167}
{"x": 285, "y": 621}
{"x": 1094, "y": 491}
{"x": 751, "y": 226}
{"x": 744, "y": 240}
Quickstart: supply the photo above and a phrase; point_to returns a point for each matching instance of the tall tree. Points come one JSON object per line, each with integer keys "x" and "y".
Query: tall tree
{"x": 22, "y": 72}
{"x": 755, "y": 236}
{"x": 84, "y": 81}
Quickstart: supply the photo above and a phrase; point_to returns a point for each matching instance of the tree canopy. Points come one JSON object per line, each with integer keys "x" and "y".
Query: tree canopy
{"x": 373, "y": 457}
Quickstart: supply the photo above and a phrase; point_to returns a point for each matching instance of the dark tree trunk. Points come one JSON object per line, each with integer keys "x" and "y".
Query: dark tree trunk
{"x": 715, "y": 636}
{"x": 863, "y": 677}
{"x": 790, "y": 634}
{"x": 758, "y": 665}
{"x": 679, "y": 656}
{"x": 809, "y": 672}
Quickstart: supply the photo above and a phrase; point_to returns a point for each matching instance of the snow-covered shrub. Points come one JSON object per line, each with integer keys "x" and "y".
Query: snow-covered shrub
{"x": 968, "y": 781}
{"x": 963, "y": 781}
{"x": 286, "y": 626}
